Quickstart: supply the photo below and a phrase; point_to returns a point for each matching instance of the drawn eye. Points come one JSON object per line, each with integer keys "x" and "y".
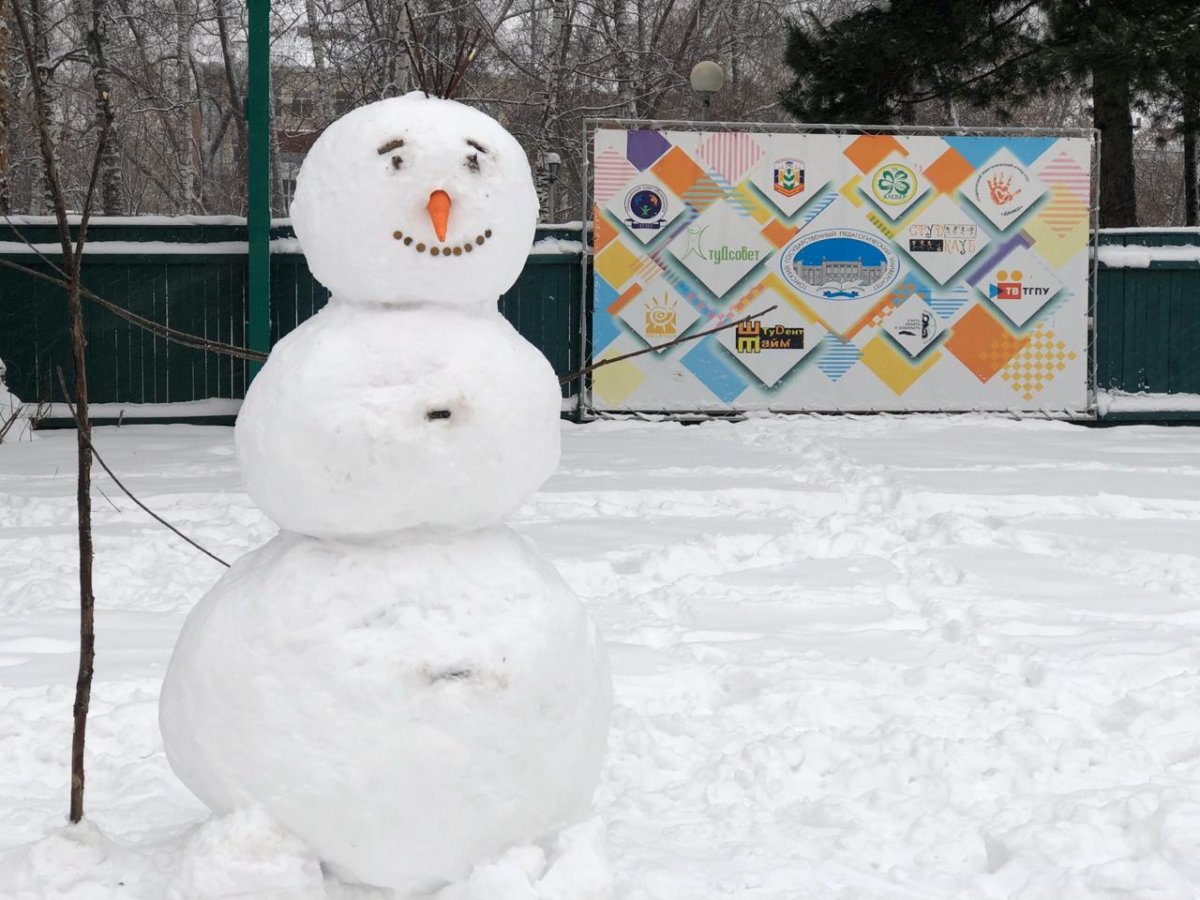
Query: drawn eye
{"x": 397, "y": 161}
{"x": 473, "y": 162}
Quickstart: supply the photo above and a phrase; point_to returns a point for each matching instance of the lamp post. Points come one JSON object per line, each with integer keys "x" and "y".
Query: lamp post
{"x": 553, "y": 162}
{"x": 707, "y": 78}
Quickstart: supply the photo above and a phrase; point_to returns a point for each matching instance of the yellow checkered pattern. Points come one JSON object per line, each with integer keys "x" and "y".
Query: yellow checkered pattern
{"x": 1035, "y": 366}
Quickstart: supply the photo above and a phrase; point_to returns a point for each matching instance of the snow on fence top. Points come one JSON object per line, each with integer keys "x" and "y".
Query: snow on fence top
{"x": 1138, "y": 256}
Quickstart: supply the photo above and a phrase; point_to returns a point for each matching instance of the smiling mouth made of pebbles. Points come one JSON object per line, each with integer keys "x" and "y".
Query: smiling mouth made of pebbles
{"x": 443, "y": 250}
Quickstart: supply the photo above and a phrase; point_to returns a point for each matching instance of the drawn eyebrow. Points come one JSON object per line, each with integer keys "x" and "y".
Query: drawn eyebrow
{"x": 476, "y": 145}
{"x": 391, "y": 145}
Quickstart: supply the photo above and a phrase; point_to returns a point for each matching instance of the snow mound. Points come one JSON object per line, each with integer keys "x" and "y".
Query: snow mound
{"x": 14, "y": 415}
{"x": 577, "y": 870}
{"x": 75, "y": 862}
{"x": 245, "y": 854}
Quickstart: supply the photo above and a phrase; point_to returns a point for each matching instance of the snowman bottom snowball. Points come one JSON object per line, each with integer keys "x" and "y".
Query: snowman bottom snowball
{"x": 409, "y": 708}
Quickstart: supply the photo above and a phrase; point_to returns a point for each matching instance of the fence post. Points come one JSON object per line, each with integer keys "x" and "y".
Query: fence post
{"x": 258, "y": 169}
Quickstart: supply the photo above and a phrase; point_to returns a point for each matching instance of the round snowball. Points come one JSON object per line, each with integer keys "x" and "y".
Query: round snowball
{"x": 366, "y": 420}
{"x": 408, "y": 708}
{"x": 362, "y": 205}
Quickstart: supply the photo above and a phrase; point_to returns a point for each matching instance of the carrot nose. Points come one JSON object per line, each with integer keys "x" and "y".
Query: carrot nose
{"x": 439, "y": 212}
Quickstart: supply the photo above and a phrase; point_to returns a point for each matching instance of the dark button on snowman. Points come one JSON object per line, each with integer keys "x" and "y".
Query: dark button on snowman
{"x": 398, "y": 678}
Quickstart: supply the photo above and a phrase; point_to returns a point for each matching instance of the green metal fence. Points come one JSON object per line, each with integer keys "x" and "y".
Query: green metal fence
{"x": 1148, "y": 314}
{"x": 190, "y": 274}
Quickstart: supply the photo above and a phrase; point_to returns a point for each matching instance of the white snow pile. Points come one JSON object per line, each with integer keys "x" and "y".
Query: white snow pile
{"x": 552, "y": 246}
{"x": 1125, "y": 402}
{"x": 902, "y": 657}
{"x": 14, "y": 415}
{"x": 1139, "y": 256}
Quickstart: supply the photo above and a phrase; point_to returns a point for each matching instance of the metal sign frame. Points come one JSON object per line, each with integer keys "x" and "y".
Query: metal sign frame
{"x": 586, "y": 410}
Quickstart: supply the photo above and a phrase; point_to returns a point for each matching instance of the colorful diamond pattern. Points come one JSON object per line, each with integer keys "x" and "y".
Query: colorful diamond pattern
{"x": 962, "y": 300}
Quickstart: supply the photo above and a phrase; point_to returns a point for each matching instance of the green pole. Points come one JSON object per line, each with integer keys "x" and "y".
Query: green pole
{"x": 258, "y": 176}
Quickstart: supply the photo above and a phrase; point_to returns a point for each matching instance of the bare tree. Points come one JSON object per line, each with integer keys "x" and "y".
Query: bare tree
{"x": 72, "y": 263}
{"x": 6, "y": 106}
{"x": 93, "y": 24}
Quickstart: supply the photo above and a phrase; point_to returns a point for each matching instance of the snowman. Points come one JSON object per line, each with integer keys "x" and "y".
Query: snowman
{"x": 397, "y": 678}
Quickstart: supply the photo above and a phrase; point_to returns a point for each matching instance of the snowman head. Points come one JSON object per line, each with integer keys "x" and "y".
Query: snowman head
{"x": 415, "y": 200}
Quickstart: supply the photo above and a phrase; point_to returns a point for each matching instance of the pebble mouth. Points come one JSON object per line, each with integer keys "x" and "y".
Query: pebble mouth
{"x": 443, "y": 249}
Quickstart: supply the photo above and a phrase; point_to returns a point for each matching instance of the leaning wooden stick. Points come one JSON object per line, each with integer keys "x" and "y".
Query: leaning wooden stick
{"x": 682, "y": 339}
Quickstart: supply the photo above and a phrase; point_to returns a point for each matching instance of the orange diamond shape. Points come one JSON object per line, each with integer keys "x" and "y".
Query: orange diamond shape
{"x": 948, "y": 171}
{"x": 778, "y": 233}
{"x": 678, "y": 171}
{"x": 870, "y": 150}
{"x": 982, "y": 344}
{"x": 602, "y": 231}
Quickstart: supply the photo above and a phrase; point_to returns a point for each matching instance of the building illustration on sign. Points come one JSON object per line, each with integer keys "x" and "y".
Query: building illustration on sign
{"x": 839, "y": 274}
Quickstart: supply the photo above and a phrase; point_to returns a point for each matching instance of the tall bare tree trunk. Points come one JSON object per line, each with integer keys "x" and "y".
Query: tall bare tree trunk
{"x": 236, "y": 100}
{"x": 399, "y": 75}
{"x": 6, "y": 107}
{"x": 186, "y": 200}
{"x": 41, "y": 197}
{"x": 316, "y": 39}
{"x": 1191, "y": 125}
{"x": 560, "y": 32}
{"x": 93, "y": 24}
{"x": 1111, "y": 104}
{"x": 626, "y": 108}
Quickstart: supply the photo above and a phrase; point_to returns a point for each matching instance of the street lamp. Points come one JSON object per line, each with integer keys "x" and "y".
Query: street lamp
{"x": 707, "y": 78}
{"x": 553, "y": 162}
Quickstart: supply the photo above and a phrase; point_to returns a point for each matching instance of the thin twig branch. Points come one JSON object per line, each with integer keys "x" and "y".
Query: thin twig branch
{"x": 128, "y": 493}
{"x": 683, "y": 338}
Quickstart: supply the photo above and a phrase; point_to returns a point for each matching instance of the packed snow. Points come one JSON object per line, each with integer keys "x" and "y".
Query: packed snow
{"x": 14, "y": 414}
{"x": 1145, "y": 402}
{"x": 904, "y": 657}
{"x": 1137, "y": 256}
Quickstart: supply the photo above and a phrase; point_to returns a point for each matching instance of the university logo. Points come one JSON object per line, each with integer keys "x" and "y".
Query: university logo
{"x": 838, "y": 264}
{"x": 662, "y": 320}
{"x": 1001, "y": 185}
{"x": 789, "y": 177}
{"x": 894, "y": 184}
{"x": 647, "y": 207}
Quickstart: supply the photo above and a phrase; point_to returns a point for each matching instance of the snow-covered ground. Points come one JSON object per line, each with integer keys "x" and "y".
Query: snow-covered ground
{"x": 889, "y": 657}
